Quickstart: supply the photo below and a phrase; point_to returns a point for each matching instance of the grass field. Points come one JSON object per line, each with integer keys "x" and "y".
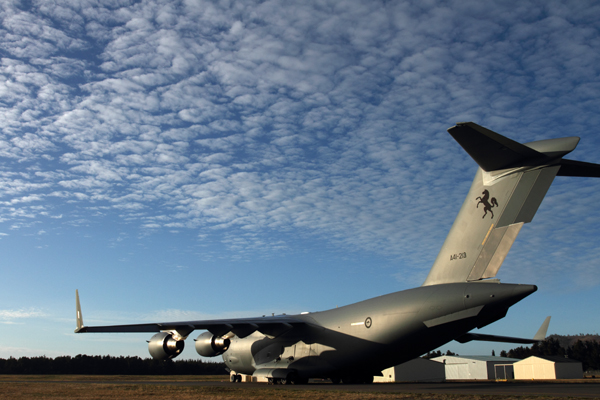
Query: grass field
{"x": 102, "y": 387}
{"x": 120, "y": 378}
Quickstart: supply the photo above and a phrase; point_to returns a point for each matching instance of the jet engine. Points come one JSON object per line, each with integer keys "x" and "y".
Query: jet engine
{"x": 164, "y": 346}
{"x": 209, "y": 345}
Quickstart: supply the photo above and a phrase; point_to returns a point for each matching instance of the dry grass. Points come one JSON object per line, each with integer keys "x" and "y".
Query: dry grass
{"x": 113, "y": 378}
{"x": 100, "y": 387}
{"x": 94, "y": 391}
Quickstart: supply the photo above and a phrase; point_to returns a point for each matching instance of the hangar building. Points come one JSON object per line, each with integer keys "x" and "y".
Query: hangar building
{"x": 548, "y": 367}
{"x": 417, "y": 370}
{"x": 477, "y": 367}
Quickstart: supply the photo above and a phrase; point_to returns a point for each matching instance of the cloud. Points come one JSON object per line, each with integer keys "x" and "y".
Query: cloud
{"x": 12, "y": 316}
{"x": 268, "y": 117}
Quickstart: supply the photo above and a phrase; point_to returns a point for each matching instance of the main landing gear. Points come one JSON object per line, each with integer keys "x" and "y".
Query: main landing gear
{"x": 336, "y": 380}
{"x": 290, "y": 380}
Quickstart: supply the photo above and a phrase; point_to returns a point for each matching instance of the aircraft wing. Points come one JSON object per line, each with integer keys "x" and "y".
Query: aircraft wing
{"x": 539, "y": 336}
{"x": 242, "y": 327}
{"x": 467, "y": 337}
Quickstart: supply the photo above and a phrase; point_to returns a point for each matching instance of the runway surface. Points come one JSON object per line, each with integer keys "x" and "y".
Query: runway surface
{"x": 512, "y": 388}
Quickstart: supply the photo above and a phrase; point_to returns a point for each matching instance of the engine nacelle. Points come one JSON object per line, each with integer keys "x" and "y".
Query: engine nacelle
{"x": 209, "y": 345}
{"x": 164, "y": 346}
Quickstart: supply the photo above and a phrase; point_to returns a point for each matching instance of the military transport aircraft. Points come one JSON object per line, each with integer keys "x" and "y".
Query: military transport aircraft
{"x": 356, "y": 342}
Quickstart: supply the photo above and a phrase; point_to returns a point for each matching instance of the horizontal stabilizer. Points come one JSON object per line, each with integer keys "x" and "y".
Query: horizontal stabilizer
{"x": 579, "y": 168}
{"x": 539, "y": 336}
{"x": 492, "y": 151}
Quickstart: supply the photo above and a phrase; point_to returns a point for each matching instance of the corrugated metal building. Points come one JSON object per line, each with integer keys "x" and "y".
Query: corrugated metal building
{"x": 548, "y": 367}
{"x": 476, "y": 367}
{"x": 417, "y": 370}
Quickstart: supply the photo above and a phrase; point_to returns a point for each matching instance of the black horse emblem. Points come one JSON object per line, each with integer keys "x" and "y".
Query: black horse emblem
{"x": 487, "y": 203}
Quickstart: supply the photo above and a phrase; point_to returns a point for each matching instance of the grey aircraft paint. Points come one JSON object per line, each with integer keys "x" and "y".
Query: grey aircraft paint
{"x": 355, "y": 342}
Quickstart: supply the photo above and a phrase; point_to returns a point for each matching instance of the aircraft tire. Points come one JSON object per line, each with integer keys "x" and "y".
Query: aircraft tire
{"x": 293, "y": 379}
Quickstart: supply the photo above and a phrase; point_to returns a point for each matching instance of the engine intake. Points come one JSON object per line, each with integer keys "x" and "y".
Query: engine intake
{"x": 164, "y": 346}
{"x": 209, "y": 345}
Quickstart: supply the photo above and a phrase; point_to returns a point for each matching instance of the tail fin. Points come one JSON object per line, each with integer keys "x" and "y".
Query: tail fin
{"x": 508, "y": 188}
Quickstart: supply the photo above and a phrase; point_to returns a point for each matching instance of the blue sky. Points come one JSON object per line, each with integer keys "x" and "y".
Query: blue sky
{"x": 200, "y": 159}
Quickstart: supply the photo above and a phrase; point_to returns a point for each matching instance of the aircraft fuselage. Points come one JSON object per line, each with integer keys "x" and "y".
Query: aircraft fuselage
{"x": 375, "y": 334}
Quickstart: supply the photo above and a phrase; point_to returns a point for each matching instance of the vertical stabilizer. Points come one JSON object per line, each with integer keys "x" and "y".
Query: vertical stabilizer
{"x": 508, "y": 188}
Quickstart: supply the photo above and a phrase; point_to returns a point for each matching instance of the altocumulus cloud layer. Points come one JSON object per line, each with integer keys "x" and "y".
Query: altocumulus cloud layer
{"x": 323, "y": 118}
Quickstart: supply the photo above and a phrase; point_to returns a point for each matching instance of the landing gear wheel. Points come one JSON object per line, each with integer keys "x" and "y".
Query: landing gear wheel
{"x": 294, "y": 380}
{"x": 335, "y": 380}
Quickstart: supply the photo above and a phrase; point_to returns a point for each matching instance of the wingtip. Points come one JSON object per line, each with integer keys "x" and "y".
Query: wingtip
{"x": 541, "y": 333}
{"x": 78, "y": 316}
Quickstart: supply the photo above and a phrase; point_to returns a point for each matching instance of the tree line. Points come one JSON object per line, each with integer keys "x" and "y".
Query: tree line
{"x": 438, "y": 353}
{"x": 588, "y": 352}
{"x": 108, "y": 365}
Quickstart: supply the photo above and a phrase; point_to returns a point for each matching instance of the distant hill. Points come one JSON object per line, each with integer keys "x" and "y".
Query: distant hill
{"x": 567, "y": 341}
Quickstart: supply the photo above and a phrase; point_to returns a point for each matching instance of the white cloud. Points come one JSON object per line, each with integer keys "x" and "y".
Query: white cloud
{"x": 271, "y": 116}
{"x": 9, "y": 316}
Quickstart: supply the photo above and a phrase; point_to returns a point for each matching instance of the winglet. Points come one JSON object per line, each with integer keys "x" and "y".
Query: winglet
{"x": 79, "y": 318}
{"x": 541, "y": 333}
